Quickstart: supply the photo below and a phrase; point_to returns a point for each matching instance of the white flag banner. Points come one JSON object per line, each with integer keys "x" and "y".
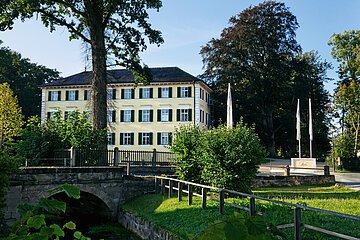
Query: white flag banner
{"x": 229, "y": 116}
{"x": 298, "y": 132}
{"x": 310, "y": 121}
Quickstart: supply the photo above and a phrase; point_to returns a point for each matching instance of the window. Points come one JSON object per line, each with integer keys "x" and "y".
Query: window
{"x": 146, "y": 93}
{"x": 111, "y": 93}
{"x": 72, "y": 95}
{"x": 184, "y": 115}
{"x": 127, "y": 115}
{"x": 111, "y": 116}
{"x": 145, "y": 115}
{"x": 164, "y": 115}
{"x": 163, "y": 138}
{"x": 54, "y": 96}
{"x": 66, "y": 115}
{"x": 201, "y": 116}
{"x": 145, "y": 138}
{"x": 127, "y": 93}
{"x": 50, "y": 114}
{"x": 165, "y": 92}
{"x": 207, "y": 98}
{"x": 207, "y": 119}
{"x": 184, "y": 92}
{"x": 87, "y": 94}
{"x": 202, "y": 93}
{"x": 126, "y": 138}
{"x": 111, "y": 138}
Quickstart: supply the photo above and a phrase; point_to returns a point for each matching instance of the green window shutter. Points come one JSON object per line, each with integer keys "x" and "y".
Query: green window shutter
{"x": 158, "y": 138}
{"x": 189, "y": 91}
{"x": 114, "y": 93}
{"x": 178, "y": 115}
{"x": 121, "y": 139}
{"x": 151, "y": 138}
{"x": 159, "y": 115}
{"x": 141, "y": 93}
{"x": 85, "y": 94}
{"x": 140, "y": 115}
{"x": 121, "y": 115}
{"x": 178, "y": 92}
{"x": 122, "y": 93}
{"x": 132, "y": 93}
{"x": 112, "y": 138}
{"x": 132, "y": 138}
{"x": 113, "y": 115}
{"x": 67, "y": 96}
{"x": 170, "y": 92}
{"x": 170, "y": 115}
{"x": 132, "y": 115}
{"x": 77, "y": 95}
{"x": 190, "y": 114}
{"x": 59, "y": 95}
{"x": 151, "y": 115}
{"x": 140, "y": 138}
{"x": 170, "y": 138}
{"x": 151, "y": 92}
{"x": 49, "y": 95}
{"x": 159, "y": 92}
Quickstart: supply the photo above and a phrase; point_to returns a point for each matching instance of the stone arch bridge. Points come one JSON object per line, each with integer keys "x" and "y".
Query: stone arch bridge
{"x": 105, "y": 185}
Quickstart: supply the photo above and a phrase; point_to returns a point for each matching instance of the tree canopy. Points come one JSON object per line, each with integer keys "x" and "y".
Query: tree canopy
{"x": 114, "y": 30}
{"x": 24, "y": 78}
{"x": 11, "y": 118}
{"x": 259, "y": 55}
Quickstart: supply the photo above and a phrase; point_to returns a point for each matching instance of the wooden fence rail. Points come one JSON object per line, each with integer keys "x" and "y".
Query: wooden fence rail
{"x": 169, "y": 183}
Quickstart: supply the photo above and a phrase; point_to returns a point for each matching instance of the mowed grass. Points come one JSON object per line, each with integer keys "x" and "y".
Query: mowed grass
{"x": 188, "y": 221}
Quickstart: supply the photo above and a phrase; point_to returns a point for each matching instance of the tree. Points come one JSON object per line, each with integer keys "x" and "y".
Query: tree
{"x": 111, "y": 28}
{"x": 24, "y": 78}
{"x": 11, "y": 118}
{"x": 346, "y": 50}
{"x": 254, "y": 54}
{"x": 347, "y": 99}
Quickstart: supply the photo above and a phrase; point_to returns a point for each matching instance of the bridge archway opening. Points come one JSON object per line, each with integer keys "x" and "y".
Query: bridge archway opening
{"x": 85, "y": 212}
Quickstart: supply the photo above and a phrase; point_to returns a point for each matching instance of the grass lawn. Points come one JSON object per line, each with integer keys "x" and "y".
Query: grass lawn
{"x": 187, "y": 221}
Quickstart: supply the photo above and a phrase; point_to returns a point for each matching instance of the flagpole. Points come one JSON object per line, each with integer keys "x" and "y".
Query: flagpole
{"x": 298, "y": 130}
{"x": 229, "y": 116}
{"x": 310, "y": 127}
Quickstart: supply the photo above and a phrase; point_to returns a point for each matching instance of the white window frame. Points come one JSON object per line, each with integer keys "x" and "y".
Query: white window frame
{"x": 184, "y": 92}
{"x": 165, "y": 113}
{"x": 109, "y": 138}
{"x": 145, "y": 115}
{"x": 109, "y": 115}
{"x": 127, "y": 93}
{"x": 146, "y": 93}
{"x": 145, "y": 138}
{"x": 165, "y": 92}
{"x": 54, "y": 95}
{"x": 184, "y": 115}
{"x": 126, "y": 138}
{"x": 71, "y": 95}
{"x": 127, "y": 115}
{"x": 109, "y": 94}
{"x": 164, "y": 138}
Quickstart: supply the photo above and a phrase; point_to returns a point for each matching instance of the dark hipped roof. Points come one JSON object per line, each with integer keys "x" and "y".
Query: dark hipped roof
{"x": 164, "y": 74}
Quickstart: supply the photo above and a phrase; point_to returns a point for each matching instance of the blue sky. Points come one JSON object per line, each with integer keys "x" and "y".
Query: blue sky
{"x": 186, "y": 26}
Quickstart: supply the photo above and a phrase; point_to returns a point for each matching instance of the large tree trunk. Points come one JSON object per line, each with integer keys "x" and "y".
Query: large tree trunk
{"x": 268, "y": 128}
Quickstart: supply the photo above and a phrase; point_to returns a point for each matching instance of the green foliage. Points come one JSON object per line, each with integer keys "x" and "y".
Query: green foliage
{"x": 11, "y": 118}
{"x": 259, "y": 55}
{"x": 238, "y": 227}
{"x": 33, "y": 222}
{"x": 24, "y": 78}
{"x": 346, "y": 50}
{"x": 187, "y": 147}
{"x": 344, "y": 145}
{"x": 39, "y": 141}
{"x": 219, "y": 157}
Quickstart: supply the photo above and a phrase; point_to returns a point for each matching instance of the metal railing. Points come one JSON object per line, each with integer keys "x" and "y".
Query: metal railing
{"x": 180, "y": 186}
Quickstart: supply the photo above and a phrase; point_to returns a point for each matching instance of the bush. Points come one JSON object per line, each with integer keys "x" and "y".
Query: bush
{"x": 351, "y": 164}
{"x": 344, "y": 146}
{"x": 220, "y": 157}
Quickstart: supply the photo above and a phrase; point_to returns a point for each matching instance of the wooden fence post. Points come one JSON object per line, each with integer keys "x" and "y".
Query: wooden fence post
{"x": 180, "y": 185}
{"x": 203, "y": 197}
{"x": 170, "y": 188}
{"x": 222, "y": 202}
{"x": 287, "y": 171}
{"x": 297, "y": 223}
{"x": 190, "y": 194}
{"x": 252, "y": 206}
{"x": 116, "y": 156}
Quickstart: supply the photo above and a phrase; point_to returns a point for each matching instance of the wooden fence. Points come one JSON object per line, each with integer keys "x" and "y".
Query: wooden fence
{"x": 163, "y": 183}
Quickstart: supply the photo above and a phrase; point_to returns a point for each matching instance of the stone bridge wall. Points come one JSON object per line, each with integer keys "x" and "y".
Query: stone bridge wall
{"x": 108, "y": 184}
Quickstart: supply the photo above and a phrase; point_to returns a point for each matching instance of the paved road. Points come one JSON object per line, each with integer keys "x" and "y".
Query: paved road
{"x": 274, "y": 167}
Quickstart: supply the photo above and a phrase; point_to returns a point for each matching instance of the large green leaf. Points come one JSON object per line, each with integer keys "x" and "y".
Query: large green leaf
{"x": 71, "y": 191}
{"x": 57, "y": 230}
{"x": 52, "y": 205}
{"x": 70, "y": 225}
{"x": 36, "y": 221}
